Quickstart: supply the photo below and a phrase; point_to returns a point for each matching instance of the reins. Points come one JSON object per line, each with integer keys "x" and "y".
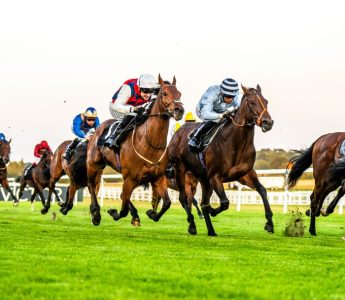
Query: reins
{"x": 166, "y": 113}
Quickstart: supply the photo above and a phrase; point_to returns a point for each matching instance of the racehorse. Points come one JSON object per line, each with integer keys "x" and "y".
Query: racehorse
{"x": 38, "y": 179}
{"x": 190, "y": 183}
{"x": 75, "y": 170}
{"x": 5, "y": 151}
{"x": 328, "y": 172}
{"x": 229, "y": 157}
{"x": 142, "y": 159}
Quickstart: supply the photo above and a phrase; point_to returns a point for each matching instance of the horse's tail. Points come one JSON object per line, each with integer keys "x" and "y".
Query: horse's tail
{"x": 18, "y": 179}
{"x": 298, "y": 165}
{"x": 337, "y": 169}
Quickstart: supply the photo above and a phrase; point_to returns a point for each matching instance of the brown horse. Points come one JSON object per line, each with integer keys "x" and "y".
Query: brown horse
{"x": 75, "y": 170}
{"x": 38, "y": 178}
{"x": 142, "y": 158}
{"x": 5, "y": 151}
{"x": 229, "y": 157}
{"x": 190, "y": 183}
{"x": 328, "y": 172}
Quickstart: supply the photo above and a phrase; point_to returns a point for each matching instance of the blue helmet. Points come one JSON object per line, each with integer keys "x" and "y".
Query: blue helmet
{"x": 2, "y": 137}
{"x": 90, "y": 112}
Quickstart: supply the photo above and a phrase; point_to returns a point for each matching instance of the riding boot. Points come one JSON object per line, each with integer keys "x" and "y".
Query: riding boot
{"x": 28, "y": 170}
{"x": 70, "y": 150}
{"x": 121, "y": 133}
{"x": 194, "y": 142}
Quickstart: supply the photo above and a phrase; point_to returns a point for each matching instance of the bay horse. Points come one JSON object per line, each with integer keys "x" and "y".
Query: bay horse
{"x": 75, "y": 170}
{"x": 5, "y": 152}
{"x": 38, "y": 178}
{"x": 328, "y": 172}
{"x": 190, "y": 184}
{"x": 229, "y": 157}
{"x": 142, "y": 159}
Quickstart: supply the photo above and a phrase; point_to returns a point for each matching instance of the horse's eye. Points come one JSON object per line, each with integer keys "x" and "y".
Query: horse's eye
{"x": 165, "y": 94}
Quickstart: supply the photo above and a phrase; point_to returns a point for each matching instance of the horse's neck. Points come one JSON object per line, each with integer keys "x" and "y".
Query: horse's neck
{"x": 157, "y": 126}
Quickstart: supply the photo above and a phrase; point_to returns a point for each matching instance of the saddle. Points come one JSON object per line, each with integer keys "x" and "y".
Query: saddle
{"x": 208, "y": 137}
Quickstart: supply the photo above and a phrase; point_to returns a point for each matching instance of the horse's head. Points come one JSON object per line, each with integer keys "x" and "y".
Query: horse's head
{"x": 5, "y": 151}
{"x": 256, "y": 108}
{"x": 169, "y": 97}
{"x": 47, "y": 157}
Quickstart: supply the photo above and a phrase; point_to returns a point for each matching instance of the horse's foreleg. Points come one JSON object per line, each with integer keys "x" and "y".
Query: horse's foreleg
{"x": 8, "y": 189}
{"x": 58, "y": 199}
{"x": 156, "y": 198}
{"x": 127, "y": 189}
{"x": 94, "y": 174}
{"x": 205, "y": 206}
{"x": 251, "y": 180}
{"x": 134, "y": 213}
{"x": 160, "y": 187}
{"x": 69, "y": 200}
{"x": 46, "y": 206}
{"x": 217, "y": 185}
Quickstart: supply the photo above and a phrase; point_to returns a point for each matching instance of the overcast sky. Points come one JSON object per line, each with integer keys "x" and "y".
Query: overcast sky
{"x": 59, "y": 57}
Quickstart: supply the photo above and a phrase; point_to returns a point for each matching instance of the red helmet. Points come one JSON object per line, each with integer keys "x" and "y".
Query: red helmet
{"x": 44, "y": 144}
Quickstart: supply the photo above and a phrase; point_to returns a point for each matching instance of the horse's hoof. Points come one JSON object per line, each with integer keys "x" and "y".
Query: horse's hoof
{"x": 192, "y": 230}
{"x": 307, "y": 212}
{"x": 312, "y": 232}
{"x": 135, "y": 222}
{"x": 113, "y": 213}
{"x": 269, "y": 228}
{"x": 213, "y": 212}
{"x": 44, "y": 210}
{"x": 152, "y": 215}
{"x": 212, "y": 233}
{"x": 64, "y": 211}
{"x": 201, "y": 216}
{"x": 96, "y": 218}
{"x": 324, "y": 212}
{"x": 15, "y": 203}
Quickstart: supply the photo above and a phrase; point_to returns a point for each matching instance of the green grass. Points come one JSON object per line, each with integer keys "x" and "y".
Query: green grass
{"x": 68, "y": 258}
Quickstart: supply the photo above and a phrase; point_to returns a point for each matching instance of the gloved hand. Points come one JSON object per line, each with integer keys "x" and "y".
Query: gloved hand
{"x": 138, "y": 110}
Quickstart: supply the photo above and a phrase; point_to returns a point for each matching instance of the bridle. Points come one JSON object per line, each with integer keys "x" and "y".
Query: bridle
{"x": 167, "y": 113}
{"x": 255, "y": 119}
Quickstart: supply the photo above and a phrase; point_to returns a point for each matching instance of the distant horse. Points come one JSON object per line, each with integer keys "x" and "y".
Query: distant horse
{"x": 142, "y": 159}
{"x": 38, "y": 178}
{"x": 5, "y": 151}
{"x": 75, "y": 170}
{"x": 328, "y": 172}
{"x": 229, "y": 157}
{"x": 190, "y": 183}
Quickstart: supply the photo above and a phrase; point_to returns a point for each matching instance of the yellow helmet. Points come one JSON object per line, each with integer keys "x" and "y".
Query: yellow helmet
{"x": 189, "y": 117}
{"x": 177, "y": 126}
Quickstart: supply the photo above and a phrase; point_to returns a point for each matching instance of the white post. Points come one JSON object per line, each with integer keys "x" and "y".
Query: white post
{"x": 239, "y": 192}
{"x": 102, "y": 191}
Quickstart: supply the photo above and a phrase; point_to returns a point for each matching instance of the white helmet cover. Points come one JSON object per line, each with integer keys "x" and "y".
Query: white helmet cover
{"x": 147, "y": 81}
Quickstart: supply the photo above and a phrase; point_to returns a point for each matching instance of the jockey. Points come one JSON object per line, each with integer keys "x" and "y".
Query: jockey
{"x": 83, "y": 127}
{"x": 128, "y": 101}
{"x": 214, "y": 103}
{"x": 2, "y": 137}
{"x": 38, "y": 152}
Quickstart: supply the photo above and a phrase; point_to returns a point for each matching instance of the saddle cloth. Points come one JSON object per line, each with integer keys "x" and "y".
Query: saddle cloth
{"x": 208, "y": 137}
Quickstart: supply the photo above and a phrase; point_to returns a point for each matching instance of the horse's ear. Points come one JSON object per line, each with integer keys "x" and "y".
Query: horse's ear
{"x": 174, "y": 81}
{"x": 160, "y": 80}
{"x": 10, "y": 141}
{"x": 244, "y": 89}
{"x": 258, "y": 88}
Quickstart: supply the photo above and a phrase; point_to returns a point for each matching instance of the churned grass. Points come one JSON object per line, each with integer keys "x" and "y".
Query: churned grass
{"x": 68, "y": 258}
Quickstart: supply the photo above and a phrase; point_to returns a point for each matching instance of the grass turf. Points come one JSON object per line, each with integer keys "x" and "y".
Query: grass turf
{"x": 68, "y": 258}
